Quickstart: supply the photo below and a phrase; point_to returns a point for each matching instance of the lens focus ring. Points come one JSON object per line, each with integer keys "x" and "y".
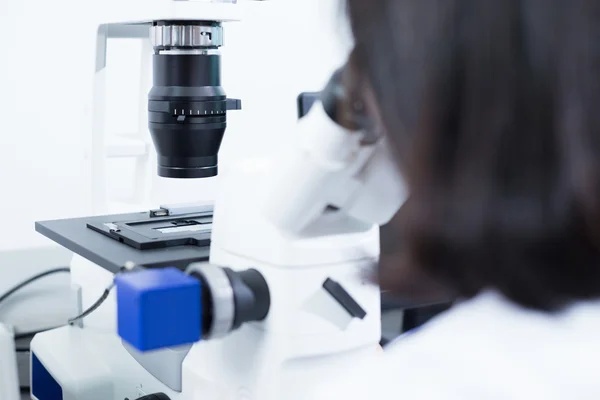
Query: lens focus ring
{"x": 222, "y": 298}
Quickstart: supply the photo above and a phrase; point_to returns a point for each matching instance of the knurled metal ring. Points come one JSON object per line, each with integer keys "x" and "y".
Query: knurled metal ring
{"x": 187, "y": 36}
{"x": 222, "y": 297}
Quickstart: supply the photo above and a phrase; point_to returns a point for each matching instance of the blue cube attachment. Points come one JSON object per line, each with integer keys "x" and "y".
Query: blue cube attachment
{"x": 158, "y": 308}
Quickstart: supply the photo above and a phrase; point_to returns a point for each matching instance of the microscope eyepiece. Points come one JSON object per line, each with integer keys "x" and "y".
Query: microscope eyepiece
{"x": 187, "y": 107}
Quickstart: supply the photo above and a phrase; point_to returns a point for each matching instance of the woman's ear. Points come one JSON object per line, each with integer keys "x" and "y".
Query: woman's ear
{"x": 360, "y": 93}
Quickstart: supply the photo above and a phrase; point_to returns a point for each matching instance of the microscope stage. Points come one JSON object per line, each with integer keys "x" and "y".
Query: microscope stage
{"x": 110, "y": 241}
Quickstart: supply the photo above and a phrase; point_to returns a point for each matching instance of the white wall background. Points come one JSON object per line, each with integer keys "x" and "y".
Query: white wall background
{"x": 282, "y": 48}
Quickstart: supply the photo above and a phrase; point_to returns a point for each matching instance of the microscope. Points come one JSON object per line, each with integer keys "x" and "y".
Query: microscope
{"x": 264, "y": 296}
{"x": 9, "y": 381}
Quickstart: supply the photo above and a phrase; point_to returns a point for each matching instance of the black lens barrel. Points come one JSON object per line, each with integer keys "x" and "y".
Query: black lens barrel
{"x": 188, "y": 70}
{"x": 187, "y": 113}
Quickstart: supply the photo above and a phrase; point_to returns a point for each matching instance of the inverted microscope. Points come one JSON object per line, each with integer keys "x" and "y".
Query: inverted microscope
{"x": 264, "y": 296}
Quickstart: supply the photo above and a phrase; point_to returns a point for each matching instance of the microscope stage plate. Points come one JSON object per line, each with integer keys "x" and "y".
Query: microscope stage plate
{"x": 158, "y": 232}
{"x": 83, "y": 236}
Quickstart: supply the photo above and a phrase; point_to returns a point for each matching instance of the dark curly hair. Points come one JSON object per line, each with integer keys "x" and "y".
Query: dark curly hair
{"x": 493, "y": 110}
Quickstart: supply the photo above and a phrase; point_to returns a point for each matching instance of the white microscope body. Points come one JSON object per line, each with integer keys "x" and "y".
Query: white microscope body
{"x": 9, "y": 382}
{"x": 307, "y": 215}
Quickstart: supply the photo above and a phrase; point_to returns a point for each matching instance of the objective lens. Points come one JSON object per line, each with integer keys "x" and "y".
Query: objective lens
{"x": 187, "y": 105}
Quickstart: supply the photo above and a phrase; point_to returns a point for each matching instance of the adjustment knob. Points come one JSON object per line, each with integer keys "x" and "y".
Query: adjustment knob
{"x": 230, "y": 298}
{"x": 159, "y": 308}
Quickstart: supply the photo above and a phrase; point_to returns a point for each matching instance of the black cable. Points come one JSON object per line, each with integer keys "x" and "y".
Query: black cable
{"x": 87, "y": 312}
{"x": 31, "y": 280}
{"x": 102, "y": 298}
{"x": 93, "y": 307}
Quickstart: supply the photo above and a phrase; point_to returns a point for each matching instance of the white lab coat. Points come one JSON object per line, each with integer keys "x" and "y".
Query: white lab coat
{"x": 486, "y": 348}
